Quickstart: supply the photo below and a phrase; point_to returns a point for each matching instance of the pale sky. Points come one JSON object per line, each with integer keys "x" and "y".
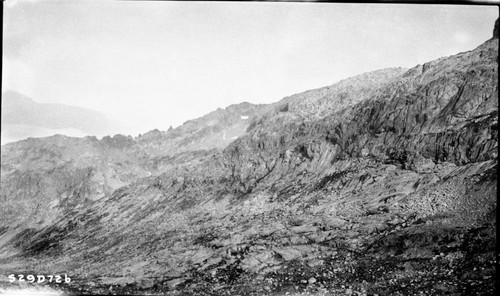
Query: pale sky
{"x": 152, "y": 64}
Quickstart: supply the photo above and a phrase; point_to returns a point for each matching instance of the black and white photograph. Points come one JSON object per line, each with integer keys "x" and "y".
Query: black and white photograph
{"x": 249, "y": 148}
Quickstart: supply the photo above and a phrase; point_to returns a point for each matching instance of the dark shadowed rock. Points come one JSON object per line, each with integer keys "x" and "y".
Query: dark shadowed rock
{"x": 496, "y": 30}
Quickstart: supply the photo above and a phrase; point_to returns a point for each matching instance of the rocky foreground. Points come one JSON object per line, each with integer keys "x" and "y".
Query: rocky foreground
{"x": 381, "y": 184}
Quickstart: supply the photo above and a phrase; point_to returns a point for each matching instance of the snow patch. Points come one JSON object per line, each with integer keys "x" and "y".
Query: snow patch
{"x": 31, "y": 291}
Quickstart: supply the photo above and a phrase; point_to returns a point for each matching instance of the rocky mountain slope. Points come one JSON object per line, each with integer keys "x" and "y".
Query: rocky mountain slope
{"x": 381, "y": 184}
{"x": 215, "y": 130}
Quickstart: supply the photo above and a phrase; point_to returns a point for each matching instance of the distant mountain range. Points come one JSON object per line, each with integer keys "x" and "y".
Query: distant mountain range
{"x": 22, "y": 117}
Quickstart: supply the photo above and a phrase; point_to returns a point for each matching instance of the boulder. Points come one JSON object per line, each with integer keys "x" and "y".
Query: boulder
{"x": 421, "y": 164}
{"x": 288, "y": 253}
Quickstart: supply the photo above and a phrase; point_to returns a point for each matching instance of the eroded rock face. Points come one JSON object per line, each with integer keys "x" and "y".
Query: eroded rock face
{"x": 384, "y": 183}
